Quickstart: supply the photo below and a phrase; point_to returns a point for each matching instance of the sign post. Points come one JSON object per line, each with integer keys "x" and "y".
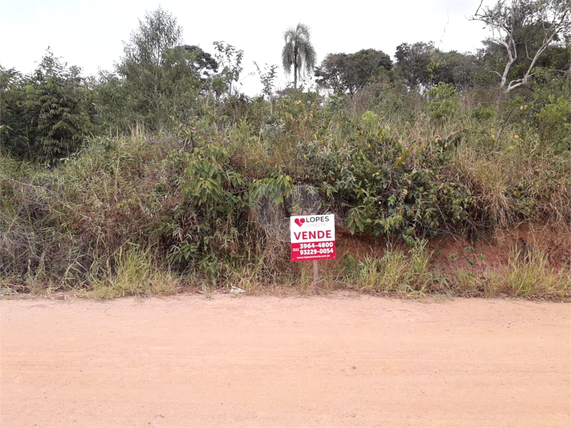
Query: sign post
{"x": 312, "y": 238}
{"x": 315, "y": 277}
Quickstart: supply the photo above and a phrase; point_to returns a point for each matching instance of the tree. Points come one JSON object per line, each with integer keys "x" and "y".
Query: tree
{"x": 47, "y": 115}
{"x": 298, "y": 52}
{"x": 267, "y": 78}
{"x": 423, "y": 65}
{"x": 158, "y": 77}
{"x": 184, "y": 62}
{"x": 332, "y": 73}
{"x": 230, "y": 60}
{"x": 453, "y": 68}
{"x": 200, "y": 61}
{"x": 525, "y": 29}
{"x": 413, "y": 62}
{"x": 12, "y": 95}
{"x": 352, "y": 72}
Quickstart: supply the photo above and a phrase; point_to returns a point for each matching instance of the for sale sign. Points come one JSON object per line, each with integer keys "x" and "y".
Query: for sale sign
{"x": 312, "y": 237}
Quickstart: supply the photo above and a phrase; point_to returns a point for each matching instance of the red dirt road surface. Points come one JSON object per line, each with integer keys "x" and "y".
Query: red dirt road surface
{"x": 337, "y": 361}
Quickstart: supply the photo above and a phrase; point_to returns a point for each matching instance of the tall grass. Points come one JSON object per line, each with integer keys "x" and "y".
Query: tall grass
{"x": 406, "y": 274}
{"x": 528, "y": 275}
{"x": 134, "y": 273}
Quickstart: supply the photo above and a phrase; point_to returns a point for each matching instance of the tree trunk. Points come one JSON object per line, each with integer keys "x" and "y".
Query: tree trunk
{"x": 295, "y": 69}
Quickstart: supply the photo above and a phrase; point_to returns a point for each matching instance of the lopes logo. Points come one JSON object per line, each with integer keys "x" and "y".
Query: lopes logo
{"x": 312, "y": 219}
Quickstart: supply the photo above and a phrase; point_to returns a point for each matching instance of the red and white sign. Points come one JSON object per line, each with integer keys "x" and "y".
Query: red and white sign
{"x": 312, "y": 237}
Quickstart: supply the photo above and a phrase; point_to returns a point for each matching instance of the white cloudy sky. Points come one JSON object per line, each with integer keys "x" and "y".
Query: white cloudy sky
{"x": 90, "y": 33}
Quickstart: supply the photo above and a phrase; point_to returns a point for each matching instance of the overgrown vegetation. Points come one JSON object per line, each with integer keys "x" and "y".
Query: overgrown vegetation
{"x": 160, "y": 176}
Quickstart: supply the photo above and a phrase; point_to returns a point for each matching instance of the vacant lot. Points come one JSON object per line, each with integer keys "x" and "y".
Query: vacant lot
{"x": 268, "y": 361}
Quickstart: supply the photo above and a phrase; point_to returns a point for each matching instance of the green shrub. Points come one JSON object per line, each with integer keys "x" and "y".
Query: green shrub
{"x": 483, "y": 113}
{"x": 209, "y": 207}
{"x": 48, "y": 115}
{"x": 554, "y": 121}
{"x": 384, "y": 187}
{"x": 443, "y": 101}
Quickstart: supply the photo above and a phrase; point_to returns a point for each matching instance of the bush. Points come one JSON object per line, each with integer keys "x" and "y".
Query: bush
{"x": 208, "y": 210}
{"x": 385, "y": 187}
{"x": 443, "y": 101}
{"x": 48, "y": 115}
{"x": 554, "y": 121}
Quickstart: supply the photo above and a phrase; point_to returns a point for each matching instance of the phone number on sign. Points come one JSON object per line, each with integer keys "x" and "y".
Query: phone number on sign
{"x": 316, "y": 245}
{"x": 311, "y": 252}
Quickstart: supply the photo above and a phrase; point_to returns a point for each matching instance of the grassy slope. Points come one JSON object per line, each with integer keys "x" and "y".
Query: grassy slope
{"x": 156, "y": 214}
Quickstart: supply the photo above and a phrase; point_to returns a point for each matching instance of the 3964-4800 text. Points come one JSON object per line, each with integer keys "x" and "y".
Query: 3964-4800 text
{"x": 312, "y": 245}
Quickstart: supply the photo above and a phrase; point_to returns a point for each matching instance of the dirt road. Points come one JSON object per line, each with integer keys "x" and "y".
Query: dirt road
{"x": 266, "y": 362}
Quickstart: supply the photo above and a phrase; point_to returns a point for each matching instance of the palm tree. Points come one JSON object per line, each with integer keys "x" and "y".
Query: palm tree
{"x": 298, "y": 51}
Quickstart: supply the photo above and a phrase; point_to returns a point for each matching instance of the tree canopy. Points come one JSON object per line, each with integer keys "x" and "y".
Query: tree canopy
{"x": 352, "y": 72}
{"x": 161, "y": 82}
{"x": 298, "y": 52}
{"x": 423, "y": 65}
{"x": 524, "y": 31}
{"x": 158, "y": 77}
{"x": 46, "y": 115}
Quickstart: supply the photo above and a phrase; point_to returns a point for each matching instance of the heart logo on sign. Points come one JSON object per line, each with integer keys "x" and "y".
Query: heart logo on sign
{"x": 299, "y": 221}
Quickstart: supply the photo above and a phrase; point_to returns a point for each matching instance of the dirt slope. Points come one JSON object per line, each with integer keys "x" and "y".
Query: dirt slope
{"x": 267, "y": 362}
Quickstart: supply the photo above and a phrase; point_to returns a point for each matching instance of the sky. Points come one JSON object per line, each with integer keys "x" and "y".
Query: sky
{"x": 91, "y": 34}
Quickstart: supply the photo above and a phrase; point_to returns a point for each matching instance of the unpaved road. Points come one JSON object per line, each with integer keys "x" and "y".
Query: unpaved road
{"x": 267, "y": 361}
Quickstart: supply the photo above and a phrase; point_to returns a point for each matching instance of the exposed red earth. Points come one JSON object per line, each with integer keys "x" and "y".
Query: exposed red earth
{"x": 337, "y": 361}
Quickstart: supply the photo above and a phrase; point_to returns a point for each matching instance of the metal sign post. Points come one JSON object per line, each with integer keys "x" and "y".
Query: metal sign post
{"x": 315, "y": 277}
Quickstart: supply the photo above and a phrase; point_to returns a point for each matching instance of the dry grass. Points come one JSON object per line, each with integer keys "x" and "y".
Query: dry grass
{"x": 134, "y": 274}
{"x": 528, "y": 275}
{"x": 406, "y": 274}
{"x": 490, "y": 180}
